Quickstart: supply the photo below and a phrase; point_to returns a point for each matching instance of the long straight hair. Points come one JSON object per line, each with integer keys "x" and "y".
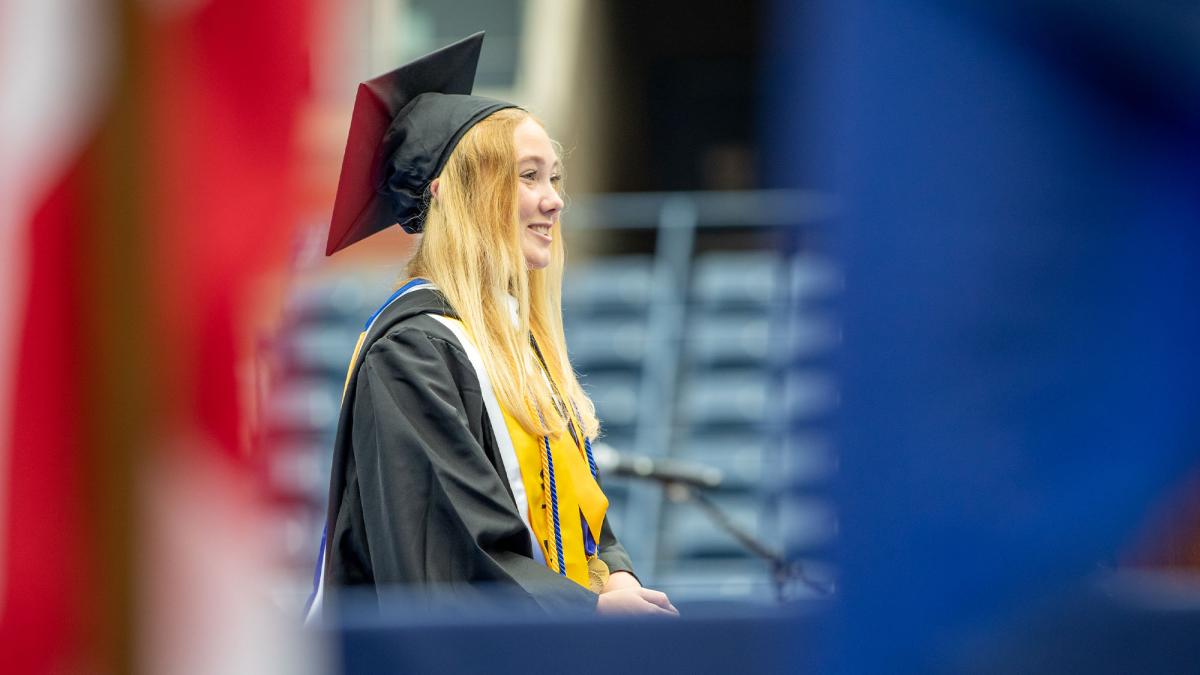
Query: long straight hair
{"x": 471, "y": 250}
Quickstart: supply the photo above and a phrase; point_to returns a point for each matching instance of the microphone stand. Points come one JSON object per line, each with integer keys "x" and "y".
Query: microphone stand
{"x": 782, "y": 570}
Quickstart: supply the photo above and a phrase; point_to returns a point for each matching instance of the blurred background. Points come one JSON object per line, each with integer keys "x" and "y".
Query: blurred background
{"x": 917, "y": 281}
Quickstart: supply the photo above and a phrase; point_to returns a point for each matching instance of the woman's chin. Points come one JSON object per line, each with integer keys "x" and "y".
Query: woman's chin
{"x": 537, "y": 258}
{"x": 537, "y": 262}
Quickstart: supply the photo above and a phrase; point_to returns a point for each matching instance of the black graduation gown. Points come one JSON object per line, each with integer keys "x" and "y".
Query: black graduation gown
{"x": 418, "y": 494}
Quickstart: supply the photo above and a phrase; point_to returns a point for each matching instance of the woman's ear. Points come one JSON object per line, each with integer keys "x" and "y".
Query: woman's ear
{"x": 433, "y": 187}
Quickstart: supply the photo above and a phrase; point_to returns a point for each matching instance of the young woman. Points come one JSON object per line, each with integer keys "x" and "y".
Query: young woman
{"x": 463, "y": 454}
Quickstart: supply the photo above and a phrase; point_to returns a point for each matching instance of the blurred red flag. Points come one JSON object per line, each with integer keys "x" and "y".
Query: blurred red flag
{"x": 145, "y": 186}
{"x": 55, "y": 67}
{"x": 226, "y": 82}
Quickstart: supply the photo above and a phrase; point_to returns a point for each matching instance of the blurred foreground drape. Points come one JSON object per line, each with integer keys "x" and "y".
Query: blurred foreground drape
{"x": 146, "y": 185}
{"x": 1022, "y": 260}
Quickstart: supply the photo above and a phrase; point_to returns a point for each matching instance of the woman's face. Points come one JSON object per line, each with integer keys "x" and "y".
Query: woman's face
{"x": 538, "y": 203}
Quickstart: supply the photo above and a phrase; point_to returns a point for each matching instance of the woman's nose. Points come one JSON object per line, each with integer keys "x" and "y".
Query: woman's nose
{"x": 552, "y": 202}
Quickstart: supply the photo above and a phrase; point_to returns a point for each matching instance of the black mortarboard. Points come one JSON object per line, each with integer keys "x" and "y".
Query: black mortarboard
{"x": 404, "y": 126}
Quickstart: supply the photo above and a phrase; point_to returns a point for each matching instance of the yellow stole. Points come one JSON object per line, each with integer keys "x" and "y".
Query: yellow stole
{"x": 578, "y": 494}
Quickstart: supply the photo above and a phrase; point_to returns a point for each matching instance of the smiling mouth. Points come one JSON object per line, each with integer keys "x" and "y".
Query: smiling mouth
{"x": 542, "y": 229}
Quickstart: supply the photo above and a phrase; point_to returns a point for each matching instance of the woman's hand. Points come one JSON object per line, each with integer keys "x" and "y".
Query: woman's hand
{"x": 635, "y": 600}
{"x": 619, "y": 581}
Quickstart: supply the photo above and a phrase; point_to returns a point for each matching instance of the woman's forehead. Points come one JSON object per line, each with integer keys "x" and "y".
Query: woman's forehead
{"x": 533, "y": 144}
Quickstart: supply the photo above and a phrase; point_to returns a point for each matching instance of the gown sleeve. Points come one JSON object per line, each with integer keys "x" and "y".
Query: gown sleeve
{"x": 435, "y": 509}
{"x": 613, "y": 553}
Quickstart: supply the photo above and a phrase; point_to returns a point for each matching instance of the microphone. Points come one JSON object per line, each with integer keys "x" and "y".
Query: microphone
{"x": 669, "y": 471}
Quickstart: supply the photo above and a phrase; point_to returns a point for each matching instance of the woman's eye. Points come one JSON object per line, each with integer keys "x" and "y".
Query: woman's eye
{"x": 528, "y": 175}
{"x": 555, "y": 179}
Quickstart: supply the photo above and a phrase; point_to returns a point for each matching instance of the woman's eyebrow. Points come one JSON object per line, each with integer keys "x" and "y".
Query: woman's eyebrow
{"x": 538, "y": 159}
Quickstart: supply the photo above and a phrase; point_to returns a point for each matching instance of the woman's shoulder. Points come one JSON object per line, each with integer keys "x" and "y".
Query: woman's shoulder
{"x": 416, "y": 330}
{"x": 411, "y": 333}
{"x": 410, "y": 314}
{"x": 417, "y": 351}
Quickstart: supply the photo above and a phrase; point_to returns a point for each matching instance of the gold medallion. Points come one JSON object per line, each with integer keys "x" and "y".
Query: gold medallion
{"x": 597, "y": 573}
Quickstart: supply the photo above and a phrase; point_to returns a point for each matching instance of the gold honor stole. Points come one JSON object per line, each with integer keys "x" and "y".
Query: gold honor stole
{"x": 579, "y": 499}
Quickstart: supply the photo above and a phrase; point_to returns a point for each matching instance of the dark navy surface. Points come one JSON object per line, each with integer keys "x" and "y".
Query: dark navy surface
{"x": 707, "y": 639}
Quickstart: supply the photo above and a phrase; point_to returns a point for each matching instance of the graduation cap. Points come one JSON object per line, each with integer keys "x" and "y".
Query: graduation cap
{"x": 404, "y": 126}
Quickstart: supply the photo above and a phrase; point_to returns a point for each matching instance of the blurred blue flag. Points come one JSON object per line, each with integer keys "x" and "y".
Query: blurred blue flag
{"x": 1020, "y": 190}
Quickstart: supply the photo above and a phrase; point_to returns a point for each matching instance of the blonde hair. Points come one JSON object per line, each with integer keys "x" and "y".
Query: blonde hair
{"x": 471, "y": 250}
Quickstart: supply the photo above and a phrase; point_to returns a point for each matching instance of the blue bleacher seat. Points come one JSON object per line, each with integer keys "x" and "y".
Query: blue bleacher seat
{"x": 336, "y": 302}
{"x": 813, "y": 278}
{"x": 807, "y": 336}
{"x": 741, "y": 457}
{"x": 809, "y": 394}
{"x": 320, "y": 350}
{"x": 304, "y": 406}
{"x": 619, "y": 284}
{"x": 721, "y": 338}
{"x": 298, "y": 468}
{"x": 741, "y": 279}
{"x": 806, "y": 460}
{"x": 688, "y": 533}
{"x": 733, "y": 579}
{"x": 607, "y": 342}
{"x": 745, "y": 397}
{"x": 616, "y": 398}
{"x": 804, "y": 523}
